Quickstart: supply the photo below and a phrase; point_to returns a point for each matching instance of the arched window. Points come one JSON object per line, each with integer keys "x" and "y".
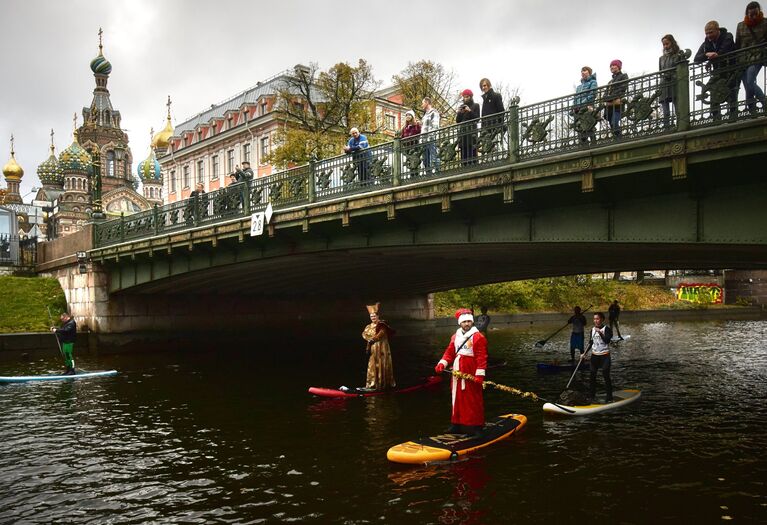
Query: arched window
{"x": 110, "y": 163}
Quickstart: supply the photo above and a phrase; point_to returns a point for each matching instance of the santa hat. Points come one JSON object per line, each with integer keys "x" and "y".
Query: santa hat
{"x": 464, "y": 314}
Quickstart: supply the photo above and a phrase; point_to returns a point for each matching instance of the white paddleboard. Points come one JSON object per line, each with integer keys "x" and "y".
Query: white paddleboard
{"x": 621, "y": 398}
{"x": 78, "y": 375}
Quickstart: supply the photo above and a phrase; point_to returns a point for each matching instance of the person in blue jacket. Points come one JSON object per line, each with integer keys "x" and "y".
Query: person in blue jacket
{"x": 358, "y": 147}
{"x": 585, "y": 94}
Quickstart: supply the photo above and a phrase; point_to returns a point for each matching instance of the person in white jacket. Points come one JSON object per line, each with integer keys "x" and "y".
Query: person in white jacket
{"x": 429, "y": 123}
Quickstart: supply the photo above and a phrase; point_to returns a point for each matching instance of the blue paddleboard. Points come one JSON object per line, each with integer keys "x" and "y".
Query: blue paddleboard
{"x": 78, "y": 375}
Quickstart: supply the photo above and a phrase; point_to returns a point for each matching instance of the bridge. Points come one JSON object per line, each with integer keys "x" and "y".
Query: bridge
{"x": 540, "y": 190}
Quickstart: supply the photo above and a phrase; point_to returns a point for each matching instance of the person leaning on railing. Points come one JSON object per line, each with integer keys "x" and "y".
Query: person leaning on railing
{"x": 752, "y": 31}
{"x": 667, "y": 62}
{"x": 585, "y": 95}
{"x": 613, "y": 98}
{"x": 719, "y": 42}
{"x": 358, "y": 147}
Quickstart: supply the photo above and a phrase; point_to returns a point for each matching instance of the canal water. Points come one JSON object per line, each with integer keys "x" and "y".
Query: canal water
{"x": 229, "y": 436}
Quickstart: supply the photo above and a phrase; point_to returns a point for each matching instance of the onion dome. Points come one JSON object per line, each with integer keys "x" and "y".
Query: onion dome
{"x": 12, "y": 171}
{"x": 149, "y": 168}
{"x": 100, "y": 65}
{"x": 75, "y": 159}
{"x": 161, "y": 140}
{"x": 49, "y": 172}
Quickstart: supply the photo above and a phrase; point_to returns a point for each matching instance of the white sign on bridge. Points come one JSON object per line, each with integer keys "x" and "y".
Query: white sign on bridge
{"x": 257, "y": 224}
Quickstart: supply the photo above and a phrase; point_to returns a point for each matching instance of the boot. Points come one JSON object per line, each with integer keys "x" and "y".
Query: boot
{"x": 70, "y": 371}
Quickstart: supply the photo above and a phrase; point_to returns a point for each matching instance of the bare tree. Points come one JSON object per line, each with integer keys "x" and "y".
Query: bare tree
{"x": 427, "y": 79}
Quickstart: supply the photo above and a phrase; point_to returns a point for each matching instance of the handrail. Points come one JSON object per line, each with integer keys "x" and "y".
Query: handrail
{"x": 699, "y": 94}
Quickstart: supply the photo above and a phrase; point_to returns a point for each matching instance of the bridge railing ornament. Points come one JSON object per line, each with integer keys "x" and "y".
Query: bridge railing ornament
{"x": 717, "y": 91}
{"x": 695, "y": 95}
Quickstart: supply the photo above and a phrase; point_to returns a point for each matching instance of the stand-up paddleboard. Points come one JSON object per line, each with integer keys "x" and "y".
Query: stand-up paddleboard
{"x": 616, "y": 339}
{"x": 362, "y": 392}
{"x": 450, "y": 446}
{"x": 561, "y": 367}
{"x": 78, "y": 375}
{"x": 620, "y": 398}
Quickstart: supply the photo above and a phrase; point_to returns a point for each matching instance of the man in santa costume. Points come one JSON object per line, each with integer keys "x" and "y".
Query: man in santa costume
{"x": 467, "y": 352}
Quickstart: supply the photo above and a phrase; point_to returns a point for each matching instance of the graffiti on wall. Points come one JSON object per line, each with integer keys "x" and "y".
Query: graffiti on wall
{"x": 703, "y": 293}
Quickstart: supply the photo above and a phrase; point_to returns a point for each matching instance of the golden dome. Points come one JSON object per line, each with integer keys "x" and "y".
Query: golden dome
{"x": 161, "y": 140}
{"x": 12, "y": 170}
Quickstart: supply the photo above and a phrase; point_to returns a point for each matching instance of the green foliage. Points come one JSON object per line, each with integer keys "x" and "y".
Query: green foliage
{"x": 558, "y": 294}
{"x": 319, "y": 108}
{"x": 24, "y": 302}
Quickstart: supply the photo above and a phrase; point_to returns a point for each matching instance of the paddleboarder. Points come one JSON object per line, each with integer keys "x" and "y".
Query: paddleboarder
{"x": 482, "y": 321}
{"x": 66, "y": 336}
{"x": 578, "y": 320}
{"x": 467, "y": 352}
{"x": 600, "y": 356}
{"x": 613, "y": 313}
{"x": 380, "y": 375}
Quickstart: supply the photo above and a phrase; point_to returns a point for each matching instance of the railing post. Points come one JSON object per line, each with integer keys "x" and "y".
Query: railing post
{"x": 311, "y": 182}
{"x": 682, "y": 99}
{"x": 122, "y": 226}
{"x": 514, "y": 130}
{"x": 246, "y": 205}
{"x": 156, "y": 219}
{"x": 396, "y": 163}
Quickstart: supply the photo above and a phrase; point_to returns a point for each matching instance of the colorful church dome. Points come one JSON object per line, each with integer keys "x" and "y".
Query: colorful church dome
{"x": 12, "y": 171}
{"x": 149, "y": 169}
{"x": 75, "y": 159}
{"x": 49, "y": 172}
{"x": 100, "y": 65}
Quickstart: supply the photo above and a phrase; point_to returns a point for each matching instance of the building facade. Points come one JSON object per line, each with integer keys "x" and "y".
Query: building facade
{"x": 211, "y": 145}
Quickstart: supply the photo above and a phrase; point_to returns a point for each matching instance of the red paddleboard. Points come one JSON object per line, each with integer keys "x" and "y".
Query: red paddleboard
{"x": 361, "y": 392}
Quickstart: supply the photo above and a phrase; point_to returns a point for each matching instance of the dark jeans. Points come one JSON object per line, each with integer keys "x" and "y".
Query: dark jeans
{"x": 603, "y": 362}
{"x": 576, "y": 341}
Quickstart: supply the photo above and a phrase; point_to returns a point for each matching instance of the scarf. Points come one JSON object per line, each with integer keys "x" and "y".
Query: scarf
{"x": 753, "y": 22}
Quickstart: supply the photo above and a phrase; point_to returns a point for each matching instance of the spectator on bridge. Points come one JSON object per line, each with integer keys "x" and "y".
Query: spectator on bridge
{"x": 66, "y": 336}
{"x": 585, "y": 95}
{"x": 429, "y": 123}
{"x": 358, "y": 147}
{"x": 380, "y": 375}
{"x": 667, "y": 63}
{"x": 614, "y": 96}
{"x": 578, "y": 320}
{"x": 752, "y": 31}
{"x": 600, "y": 356}
{"x": 245, "y": 174}
{"x": 409, "y": 135}
{"x": 467, "y": 352}
{"x": 199, "y": 189}
{"x": 719, "y": 42}
{"x": 468, "y": 113}
{"x": 482, "y": 321}
{"x": 613, "y": 313}
{"x": 492, "y": 112}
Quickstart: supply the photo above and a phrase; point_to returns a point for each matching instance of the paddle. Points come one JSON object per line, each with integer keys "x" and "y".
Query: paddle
{"x": 577, "y": 366}
{"x": 504, "y": 388}
{"x": 542, "y": 342}
{"x": 58, "y": 343}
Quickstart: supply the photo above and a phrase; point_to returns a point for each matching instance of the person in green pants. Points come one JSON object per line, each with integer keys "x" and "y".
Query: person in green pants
{"x": 66, "y": 336}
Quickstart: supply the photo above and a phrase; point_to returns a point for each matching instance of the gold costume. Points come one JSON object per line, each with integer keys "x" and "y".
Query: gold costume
{"x": 380, "y": 374}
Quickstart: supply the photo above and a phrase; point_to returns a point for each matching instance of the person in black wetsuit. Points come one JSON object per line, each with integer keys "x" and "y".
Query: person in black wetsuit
{"x": 66, "y": 336}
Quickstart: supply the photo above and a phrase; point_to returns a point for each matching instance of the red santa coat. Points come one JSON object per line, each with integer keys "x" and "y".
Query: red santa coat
{"x": 468, "y": 404}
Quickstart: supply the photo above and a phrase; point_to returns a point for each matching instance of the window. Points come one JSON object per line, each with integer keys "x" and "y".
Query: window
{"x": 186, "y": 177}
{"x": 110, "y": 163}
{"x": 199, "y": 136}
{"x": 173, "y": 181}
{"x": 298, "y": 107}
{"x": 391, "y": 122}
{"x": 215, "y": 167}
{"x": 264, "y": 109}
{"x": 230, "y": 161}
{"x": 264, "y": 148}
{"x": 246, "y": 152}
{"x": 200, "y": 171}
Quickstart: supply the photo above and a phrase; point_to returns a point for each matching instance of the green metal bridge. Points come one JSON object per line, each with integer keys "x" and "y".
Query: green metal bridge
{"x": 544, "y": 189}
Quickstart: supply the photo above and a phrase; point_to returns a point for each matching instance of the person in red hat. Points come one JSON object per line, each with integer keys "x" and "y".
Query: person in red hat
{"x": 468, "y": 112}
{"x": 614, "y": 96}
{"x": 467, "y": 352}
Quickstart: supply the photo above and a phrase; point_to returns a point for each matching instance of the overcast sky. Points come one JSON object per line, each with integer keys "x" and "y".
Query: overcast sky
{"x": 202, "y": 52}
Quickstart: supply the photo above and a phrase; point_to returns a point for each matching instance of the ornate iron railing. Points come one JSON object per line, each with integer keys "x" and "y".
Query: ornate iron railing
{"x": 17, "y": 251}
{"x": 689, "y": 95}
